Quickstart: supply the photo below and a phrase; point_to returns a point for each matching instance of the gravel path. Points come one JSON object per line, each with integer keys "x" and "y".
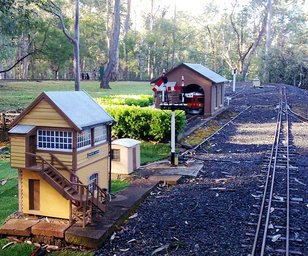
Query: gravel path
{"x": 208, "y": 215}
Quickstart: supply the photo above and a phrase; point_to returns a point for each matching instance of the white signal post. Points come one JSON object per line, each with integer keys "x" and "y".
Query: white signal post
{"x": 234, "y": 78}
{"x": 173, "y": 162}
{"x": 182, "y": 89}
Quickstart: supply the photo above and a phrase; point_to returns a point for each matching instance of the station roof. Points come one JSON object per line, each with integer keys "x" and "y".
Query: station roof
{"x": 200, "y": 69}
{"x": 204, "y": 71}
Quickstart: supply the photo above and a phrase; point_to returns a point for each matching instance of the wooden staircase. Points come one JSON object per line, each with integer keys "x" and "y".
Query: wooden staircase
{"x": 85, "y": 202}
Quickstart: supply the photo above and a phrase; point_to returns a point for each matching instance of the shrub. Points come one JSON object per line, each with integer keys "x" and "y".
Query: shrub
{"x": 145, "y": 123}
{"x": 135, "y": 100}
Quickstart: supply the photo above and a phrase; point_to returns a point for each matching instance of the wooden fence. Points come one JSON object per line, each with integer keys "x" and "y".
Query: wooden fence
{"x": 6, "y": 118}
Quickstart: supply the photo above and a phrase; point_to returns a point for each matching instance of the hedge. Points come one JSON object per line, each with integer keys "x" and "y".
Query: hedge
{"x": 136, "y": 100}
{"x": 145, "y": 123}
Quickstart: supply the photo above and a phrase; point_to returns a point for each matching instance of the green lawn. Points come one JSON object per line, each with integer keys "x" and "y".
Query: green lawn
{"x": 14, "y": 95}
{"x": 8, "y": 191}
{"x": 151, "y": 152}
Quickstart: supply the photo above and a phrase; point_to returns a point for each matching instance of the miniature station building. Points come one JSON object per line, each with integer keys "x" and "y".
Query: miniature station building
{"x": 61, "y": 145}
{"x": 201, "y": 85}
{"x": 125, "y": 156}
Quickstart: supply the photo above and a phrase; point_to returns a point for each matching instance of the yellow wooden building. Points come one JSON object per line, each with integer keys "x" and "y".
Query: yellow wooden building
{"x": 61, "y": 146}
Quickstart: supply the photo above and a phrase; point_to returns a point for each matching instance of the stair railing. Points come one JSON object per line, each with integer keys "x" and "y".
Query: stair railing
{"x": 97, "y": 196}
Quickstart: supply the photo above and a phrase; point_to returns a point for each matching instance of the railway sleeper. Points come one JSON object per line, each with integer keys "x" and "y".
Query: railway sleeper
{"x": 291, "y": 252}
{"x": 275, "y": 226}
{"x": 291, "y": 239}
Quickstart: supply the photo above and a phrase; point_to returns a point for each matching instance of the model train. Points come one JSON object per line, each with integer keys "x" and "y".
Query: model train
{"x": 195, "y": 102}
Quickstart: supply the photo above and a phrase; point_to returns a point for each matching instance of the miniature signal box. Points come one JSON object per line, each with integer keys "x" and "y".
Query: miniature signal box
{"x": 61, "y": 146}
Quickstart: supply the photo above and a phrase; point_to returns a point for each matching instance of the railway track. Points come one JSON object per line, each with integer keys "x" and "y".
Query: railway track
{"x": 274, "y": 234}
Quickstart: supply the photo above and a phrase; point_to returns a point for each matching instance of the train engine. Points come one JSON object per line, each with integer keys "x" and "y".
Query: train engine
{"x": 195, "y": 102}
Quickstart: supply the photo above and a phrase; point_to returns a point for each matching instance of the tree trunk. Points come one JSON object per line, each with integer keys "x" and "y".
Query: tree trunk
{"x": 76, "y": 48}
{"x": 268, "y": 41}
{"x": 113, "y": 50}
{"x": 127, "y": 19}
{"x": 8, "y": 74}
{"x": 24, "y": 50}
{"x": 173, "y": 37}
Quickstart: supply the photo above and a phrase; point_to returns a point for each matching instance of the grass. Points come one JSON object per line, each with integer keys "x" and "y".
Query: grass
{"x": 118, "y": 185}
{"x": 151, "y": 152}
{"x": 15, "y": 95}
{"x": 18, "y": 249}
{"x": 8, "y": 192}
{"x": 24, "y": 249}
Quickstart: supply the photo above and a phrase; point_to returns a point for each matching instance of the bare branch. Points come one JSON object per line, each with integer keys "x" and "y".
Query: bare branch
{"x": 19, "y": 60}
{"x": 36, "y": 50}
{"x": 57, "y": 11}
{"x": 238, "y": 37}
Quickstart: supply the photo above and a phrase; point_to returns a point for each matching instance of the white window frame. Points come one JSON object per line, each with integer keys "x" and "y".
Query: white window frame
{"x": 84, "y": 139}
{"x": 49, "y": 139}
{"x": 92, "y": 177}
{"x": 100, "y": 134}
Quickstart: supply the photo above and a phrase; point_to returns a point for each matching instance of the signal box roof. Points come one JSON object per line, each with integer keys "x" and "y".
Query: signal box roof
{"x": 77, "y": 107}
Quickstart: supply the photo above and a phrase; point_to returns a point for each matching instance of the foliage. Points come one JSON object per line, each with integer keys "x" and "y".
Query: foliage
{"x": 130, "y": 100}
{"x": 158, "y": 38}
{"x": 144, "y": 123}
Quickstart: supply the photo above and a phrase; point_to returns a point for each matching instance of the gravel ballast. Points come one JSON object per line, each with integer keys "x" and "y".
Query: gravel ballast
{"x": 208, "y": 214}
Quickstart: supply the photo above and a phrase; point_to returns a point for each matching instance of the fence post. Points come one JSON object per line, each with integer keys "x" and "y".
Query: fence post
{"x": 3, "y": 121}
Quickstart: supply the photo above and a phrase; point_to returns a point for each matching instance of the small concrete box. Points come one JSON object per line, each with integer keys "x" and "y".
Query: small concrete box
{"x": 125, "y": 156}
{"x": 256, "y": 83}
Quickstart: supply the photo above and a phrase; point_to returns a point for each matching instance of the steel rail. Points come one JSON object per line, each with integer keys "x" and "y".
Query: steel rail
{"x": 272, "y": 183}
{"x": 275, "y": 141}
{"x": 288, "y": 175}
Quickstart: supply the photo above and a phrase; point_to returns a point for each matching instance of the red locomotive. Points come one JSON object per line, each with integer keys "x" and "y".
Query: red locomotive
{"x": 195, "y": 102}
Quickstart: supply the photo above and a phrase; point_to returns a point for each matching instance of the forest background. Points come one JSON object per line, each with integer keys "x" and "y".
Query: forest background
{"x": 267, "y": 39}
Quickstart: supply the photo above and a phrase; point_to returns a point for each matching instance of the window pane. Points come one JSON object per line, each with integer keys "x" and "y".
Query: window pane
{"x": 48, "y": 139}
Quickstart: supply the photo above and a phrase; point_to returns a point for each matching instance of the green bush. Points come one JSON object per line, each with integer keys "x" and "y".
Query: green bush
{"x": 130, "y": 100}
{"x": 145, "y": 123}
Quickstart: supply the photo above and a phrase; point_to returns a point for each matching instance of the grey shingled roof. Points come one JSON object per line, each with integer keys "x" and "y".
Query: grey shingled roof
{"x": 202, "y": 70}
{"x": 80, "y": 108}
{"x": 21, "y": 129}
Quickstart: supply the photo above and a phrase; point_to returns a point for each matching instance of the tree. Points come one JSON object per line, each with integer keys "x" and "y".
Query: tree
{"x": 17, "y": 34}
{"x": 247, "y": 45}
{"x": 56, "y": 10}
{"x": 268, "y": 40}
{"x": 113, "y": 48}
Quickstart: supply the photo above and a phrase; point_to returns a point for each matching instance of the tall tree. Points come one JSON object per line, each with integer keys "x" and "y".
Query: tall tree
{"x": 56, "y": 10}
{"x": 113, "y": 48}
{"x": 125, "y": 40}
{"x": 246, "y": 46}
{"x": 268, "y": 40}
